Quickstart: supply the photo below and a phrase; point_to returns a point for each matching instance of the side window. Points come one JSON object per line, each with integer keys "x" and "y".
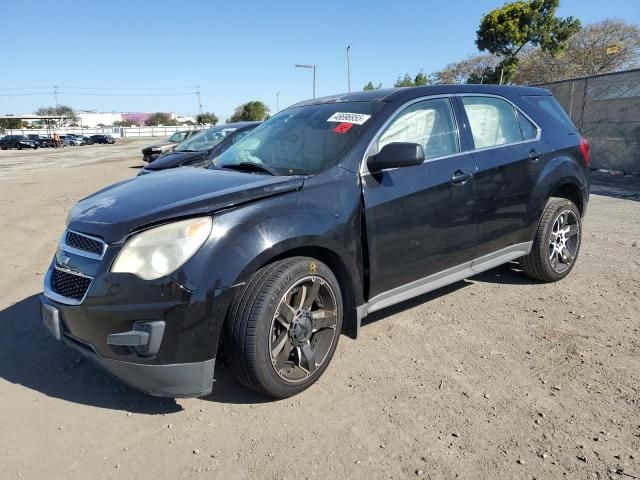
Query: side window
{"x": 528, "y": 129}
{"x": 239, "y": 135}
{"x": 492, "y": 120}
{"x": 430, "y": 123}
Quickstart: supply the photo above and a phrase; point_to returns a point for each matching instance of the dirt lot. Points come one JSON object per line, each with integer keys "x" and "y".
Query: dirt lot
{"x": 493, "y": 377}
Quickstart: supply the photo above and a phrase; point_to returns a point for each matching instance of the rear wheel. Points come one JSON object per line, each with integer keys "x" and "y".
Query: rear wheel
{"x": 283, "y": 326}
{"x": 557, "y": 242}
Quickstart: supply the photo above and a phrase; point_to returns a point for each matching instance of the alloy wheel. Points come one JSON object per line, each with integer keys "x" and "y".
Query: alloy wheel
{"x": 564, "y": 240}
{"x": 303, "y": 329}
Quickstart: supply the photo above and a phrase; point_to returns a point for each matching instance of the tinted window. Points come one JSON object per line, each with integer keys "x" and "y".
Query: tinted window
{"x": 492, "y": 121}
{"x": 553, "y": 108}
{"x": 528, "y": 129}
{"x": 177, "y": 137}
{"x": 429, "y": 123}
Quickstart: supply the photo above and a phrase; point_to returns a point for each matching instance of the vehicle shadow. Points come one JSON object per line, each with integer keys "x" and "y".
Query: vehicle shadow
{"x": 30, "y": 357}
{"x": 509, "y": 273}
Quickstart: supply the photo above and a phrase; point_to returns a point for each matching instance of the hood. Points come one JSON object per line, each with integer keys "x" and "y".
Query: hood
{"x": 117, "y": 210}
{"x": 176, "y": 159}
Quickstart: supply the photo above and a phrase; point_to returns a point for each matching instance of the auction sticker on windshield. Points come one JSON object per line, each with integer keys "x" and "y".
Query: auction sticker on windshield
{"x": 356, "y": 118}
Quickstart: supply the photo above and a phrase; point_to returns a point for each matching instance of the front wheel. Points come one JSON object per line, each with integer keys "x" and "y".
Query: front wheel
{"x": 284, "y": 325}
{"x": 557, "y": 242}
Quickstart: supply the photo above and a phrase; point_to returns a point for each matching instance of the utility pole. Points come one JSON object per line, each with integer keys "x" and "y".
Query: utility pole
{"x": 278, "y": 101}
{"x": 55, "y": 94}
{"x": 199, "y": 102}
{"x": 348, "y": 68}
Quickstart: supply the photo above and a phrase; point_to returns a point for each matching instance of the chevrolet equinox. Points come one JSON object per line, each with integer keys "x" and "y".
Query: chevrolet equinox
{"x": 333, "y": 209}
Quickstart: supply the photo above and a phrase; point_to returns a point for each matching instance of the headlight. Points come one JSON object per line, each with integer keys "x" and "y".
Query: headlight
{"x": 162, "y": 250}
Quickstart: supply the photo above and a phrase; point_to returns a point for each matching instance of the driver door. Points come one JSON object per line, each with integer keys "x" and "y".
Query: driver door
{"x": 420, "y": 220}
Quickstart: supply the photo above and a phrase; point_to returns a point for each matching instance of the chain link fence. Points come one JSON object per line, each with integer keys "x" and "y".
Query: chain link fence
{"x": 606, "y": 110}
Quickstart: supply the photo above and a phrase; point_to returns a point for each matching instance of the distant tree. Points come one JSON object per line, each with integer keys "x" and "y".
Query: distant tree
{"x": 11, "y": 123}
{"x": 421, "y": 79}
{"x": 473, "y": 69}
{"x": 603, "y": 47}
{"x": 208, "y": 118}
{"x": 507, "y": 30}
{"x": 371, "y": 86}
{"x": 60, "y": 110}
{"x": 250, "y": 111}
{"x": 405, "y": 81}
{"x": 160, "y": 118}
{"x": 125, "y": 123}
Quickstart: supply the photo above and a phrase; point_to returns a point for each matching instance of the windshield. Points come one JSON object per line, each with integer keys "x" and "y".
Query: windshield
{"x": 301, "y": 140}
{"x": 205, "y": 140}
{"x": 177, "y": 137}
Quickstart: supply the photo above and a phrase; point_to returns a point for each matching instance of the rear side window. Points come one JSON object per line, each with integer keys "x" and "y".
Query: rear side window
{"x": 430, "y": 123}
{"x": 492, "y": 120}
{"x": 528, "y": 129}
{"x": 553, "y": 108}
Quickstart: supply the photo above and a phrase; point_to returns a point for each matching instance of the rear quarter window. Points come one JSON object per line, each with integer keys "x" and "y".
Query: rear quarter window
{"x": 551, "y": 106}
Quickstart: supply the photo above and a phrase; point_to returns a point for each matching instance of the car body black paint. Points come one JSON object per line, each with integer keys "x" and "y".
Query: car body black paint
{"x": 385, "y": 228}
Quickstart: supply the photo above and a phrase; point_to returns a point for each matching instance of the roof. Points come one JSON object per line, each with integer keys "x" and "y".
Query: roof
{"x": 386, "y": 94}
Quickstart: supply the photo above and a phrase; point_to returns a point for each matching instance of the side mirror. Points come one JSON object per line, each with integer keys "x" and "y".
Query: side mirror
{"x": 396, "y": 154}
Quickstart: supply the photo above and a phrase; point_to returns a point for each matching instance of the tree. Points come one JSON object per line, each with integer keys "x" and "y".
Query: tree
{"x": 473, "y": 69}
{"x": 603, "y": 47}
{"x": 208, "y": 118}
{"x": 250, "y": 111}
{"x": 60, "y": 110}
{"x": 405, "y": 81}
{"x": 507, "y": 30}
{"x": 370, "y": 86}
{"x": 10, "y": 123}
{"x": 160, "y": 118}
{"x": 124, "y": 123}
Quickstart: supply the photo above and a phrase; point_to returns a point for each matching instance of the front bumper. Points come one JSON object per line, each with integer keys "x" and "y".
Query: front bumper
{"x": 115, "y": 303}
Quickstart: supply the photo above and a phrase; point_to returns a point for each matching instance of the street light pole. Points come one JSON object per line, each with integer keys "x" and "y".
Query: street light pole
{"x": 314, "y": 75}
{"x": 278, "y": 101}
{"x": 349, "y": 68}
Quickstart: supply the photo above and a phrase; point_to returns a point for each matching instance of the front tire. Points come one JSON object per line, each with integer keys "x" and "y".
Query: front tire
{"x": 283, "y": 327}
{"x": 557, "y": 242}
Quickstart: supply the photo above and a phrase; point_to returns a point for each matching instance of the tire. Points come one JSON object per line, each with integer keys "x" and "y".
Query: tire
{"x": 553, "y": 255}
{"x": 263, "y": 352}
{"x": 19, "y": 147}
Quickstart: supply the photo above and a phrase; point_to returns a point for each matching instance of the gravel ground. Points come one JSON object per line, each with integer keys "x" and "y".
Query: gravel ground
{"x": 493, "y": 377}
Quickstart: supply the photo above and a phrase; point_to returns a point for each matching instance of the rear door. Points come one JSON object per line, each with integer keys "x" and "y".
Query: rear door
{"x": 506, "y": 149}
{"x": 421, "y": 219}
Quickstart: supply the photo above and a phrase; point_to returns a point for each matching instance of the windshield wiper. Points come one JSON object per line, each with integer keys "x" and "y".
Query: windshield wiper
{"x": 250, "y": 166}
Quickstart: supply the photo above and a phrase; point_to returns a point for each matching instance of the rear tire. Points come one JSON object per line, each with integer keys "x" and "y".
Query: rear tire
{"x": 283, "y": 326}
{"x": 557, "y": 242}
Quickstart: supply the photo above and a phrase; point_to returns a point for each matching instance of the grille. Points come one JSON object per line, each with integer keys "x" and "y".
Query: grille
{"x": 69, "y": 285}
{"x": 84, "y": 243}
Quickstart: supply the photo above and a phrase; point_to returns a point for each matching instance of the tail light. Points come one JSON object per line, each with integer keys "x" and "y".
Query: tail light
{"x": 584, "y": 148}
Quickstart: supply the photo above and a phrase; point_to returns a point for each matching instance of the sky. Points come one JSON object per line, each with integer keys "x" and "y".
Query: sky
{"x": 130, "y": 56}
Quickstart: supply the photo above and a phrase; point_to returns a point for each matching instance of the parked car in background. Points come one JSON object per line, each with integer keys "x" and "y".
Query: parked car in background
{"x": 150, "y": 153}
{"x": 331, "y": 210}
{"x": 104, "y": 139}
{"x": 18, "y": 142}
{"x": 87, "y": 140}
{"x": 72, "y": 140}
{"x": 42, "y": 141}
{"x": 198, "y": 150}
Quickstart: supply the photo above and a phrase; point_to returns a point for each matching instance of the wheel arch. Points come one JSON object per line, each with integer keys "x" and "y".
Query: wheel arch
{"x": 570, "y": 191}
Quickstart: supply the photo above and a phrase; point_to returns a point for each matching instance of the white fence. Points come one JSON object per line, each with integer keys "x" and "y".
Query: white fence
{"x": 120, "y": 132}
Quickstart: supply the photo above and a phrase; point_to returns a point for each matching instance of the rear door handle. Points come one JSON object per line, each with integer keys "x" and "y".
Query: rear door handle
{"x": 534, "y": 154}
{"x": 460, "y": 176}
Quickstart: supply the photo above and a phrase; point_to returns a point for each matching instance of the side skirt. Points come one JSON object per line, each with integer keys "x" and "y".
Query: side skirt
{"x": 441, "y": 279}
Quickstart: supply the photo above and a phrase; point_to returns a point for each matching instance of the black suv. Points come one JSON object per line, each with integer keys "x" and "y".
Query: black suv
{"x": 334, "y": 208}
{"x": 105, "y": 139}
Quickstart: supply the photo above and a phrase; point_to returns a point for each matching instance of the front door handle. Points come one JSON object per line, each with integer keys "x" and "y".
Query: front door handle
{"x": 460, "y": 176}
